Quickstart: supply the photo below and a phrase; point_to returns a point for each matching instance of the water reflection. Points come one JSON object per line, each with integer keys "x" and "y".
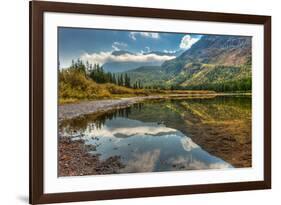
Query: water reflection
{"x": 147, "y": 146}
{"x": 81, "y": 124}
{"x": 175, "y": 134}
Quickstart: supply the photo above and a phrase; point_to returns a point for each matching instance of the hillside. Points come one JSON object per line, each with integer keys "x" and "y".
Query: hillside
{"x": 220, "y": 63}
{"x": 150, "y": 75}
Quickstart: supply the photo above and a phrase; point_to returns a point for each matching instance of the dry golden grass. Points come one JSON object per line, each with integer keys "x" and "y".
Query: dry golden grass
{"x": 75, "y": 86}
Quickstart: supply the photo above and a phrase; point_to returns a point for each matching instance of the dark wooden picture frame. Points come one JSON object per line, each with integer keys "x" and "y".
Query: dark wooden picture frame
{"x": 37, "y": 9}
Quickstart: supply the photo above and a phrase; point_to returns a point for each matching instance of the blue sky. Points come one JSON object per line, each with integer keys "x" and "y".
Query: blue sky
{"x": 96, "y": 45}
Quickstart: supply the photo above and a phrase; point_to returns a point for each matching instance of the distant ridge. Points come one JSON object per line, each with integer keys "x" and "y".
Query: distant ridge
{"x": 212, "y": 62}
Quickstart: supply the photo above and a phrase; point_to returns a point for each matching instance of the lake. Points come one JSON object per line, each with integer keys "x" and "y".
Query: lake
{"x": 163, "y": 135}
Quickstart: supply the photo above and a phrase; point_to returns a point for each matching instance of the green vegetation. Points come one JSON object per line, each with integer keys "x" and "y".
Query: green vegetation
{"x": 195, "y": 76}
{"x": 86, "y": 82}
{"x": 219, "y": 63}
{"x": 80, "y": 82}
{"x": 218, "y": 78}
{"x": 242, "y": 85}
{"x": 97, "y": 74}
{"x": 150, "y": 77}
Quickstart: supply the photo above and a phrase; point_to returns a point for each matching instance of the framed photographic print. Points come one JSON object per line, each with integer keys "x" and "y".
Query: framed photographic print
{"x": 138, "y": 102}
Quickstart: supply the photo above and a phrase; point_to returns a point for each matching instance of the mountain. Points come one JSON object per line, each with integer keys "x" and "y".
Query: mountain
{"x": 149, "y": 76}
{"x": 120, "y": 52}
{"x": 115, "y": 66}
{"x": 222, "y": 50}
{"x": 213, "y": 62}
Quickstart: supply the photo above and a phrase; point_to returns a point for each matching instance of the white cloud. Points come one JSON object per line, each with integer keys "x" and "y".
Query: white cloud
{"x": 133, "y": 35}
{"x": 187, "y": 41}
{"x": 119, "y": 45}
{"x": 104, "y": 57}
{"x": 170, "y": 51}
{"x": 191, "y": 162}
{"x": 143, "y": 162}
{"x": 188, "y": 144}
{"x": 147, "y": 49}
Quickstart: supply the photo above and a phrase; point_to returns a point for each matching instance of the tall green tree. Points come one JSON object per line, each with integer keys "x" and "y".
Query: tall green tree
{"x": 127, "y": 82}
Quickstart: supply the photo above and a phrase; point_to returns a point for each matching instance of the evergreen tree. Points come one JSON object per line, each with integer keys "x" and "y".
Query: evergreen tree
{"x": 97, "y": 74}
{"x": 127, "y": 81}
{"x": 114, "y": 79}
{"x": 139, "y": 84}
{"x": 121, "y": 80}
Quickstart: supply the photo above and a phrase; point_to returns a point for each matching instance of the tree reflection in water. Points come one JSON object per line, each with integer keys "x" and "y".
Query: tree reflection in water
{"x": 221, "y": 125}
{"x": 91, "y": 121}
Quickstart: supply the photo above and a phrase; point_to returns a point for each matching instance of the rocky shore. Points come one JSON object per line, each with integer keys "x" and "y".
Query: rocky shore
{"x": 69, "y": 111}
{"x": 75, "y": 160}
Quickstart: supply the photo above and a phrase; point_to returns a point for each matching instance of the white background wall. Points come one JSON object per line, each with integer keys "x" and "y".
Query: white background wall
{"x": 14, "y": 101}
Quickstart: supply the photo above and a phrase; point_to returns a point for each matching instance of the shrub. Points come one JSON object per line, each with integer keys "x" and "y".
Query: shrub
{"x": 74, "y": 84}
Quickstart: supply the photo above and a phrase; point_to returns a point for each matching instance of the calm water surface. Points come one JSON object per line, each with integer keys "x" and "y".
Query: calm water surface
{"x": 159, "y": 135}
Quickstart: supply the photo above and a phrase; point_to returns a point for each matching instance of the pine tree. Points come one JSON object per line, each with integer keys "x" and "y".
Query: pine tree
{"x": 127, "y": 81}
{"x": 113, "y": 79}
{"x": 121, "y": 80}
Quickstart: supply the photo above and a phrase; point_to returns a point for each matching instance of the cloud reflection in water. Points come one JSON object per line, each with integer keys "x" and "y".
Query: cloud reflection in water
{"x": 148, "y": 147}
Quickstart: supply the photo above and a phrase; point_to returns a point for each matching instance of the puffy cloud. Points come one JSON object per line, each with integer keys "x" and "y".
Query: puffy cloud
{"x": 128, "y": 128}
{"x": 188, "y": 40}
{"x": 104, "y": 57}
{"x": 143, "y": 162}
{"x": 147, "y": 48}
{"x": 133, "y": 35}
{"x": 190, "y": 162}
{"x": 119, "y": 45}
{"x": 188, "y": 145}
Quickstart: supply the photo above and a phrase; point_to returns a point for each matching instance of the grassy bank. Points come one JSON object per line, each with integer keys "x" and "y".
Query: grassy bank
{"x": 75, "y": 86}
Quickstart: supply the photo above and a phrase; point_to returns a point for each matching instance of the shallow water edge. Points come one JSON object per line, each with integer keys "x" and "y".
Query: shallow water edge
{"x": 159, "y": 135}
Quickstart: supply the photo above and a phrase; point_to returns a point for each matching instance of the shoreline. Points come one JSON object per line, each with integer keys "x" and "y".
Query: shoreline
{"x": 73, "y": 110}
{"x": 228, "y": 139}
{"x": 75, "y": 160}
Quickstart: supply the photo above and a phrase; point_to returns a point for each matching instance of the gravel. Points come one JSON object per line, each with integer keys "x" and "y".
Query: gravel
{"x": 69, "y": 111}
